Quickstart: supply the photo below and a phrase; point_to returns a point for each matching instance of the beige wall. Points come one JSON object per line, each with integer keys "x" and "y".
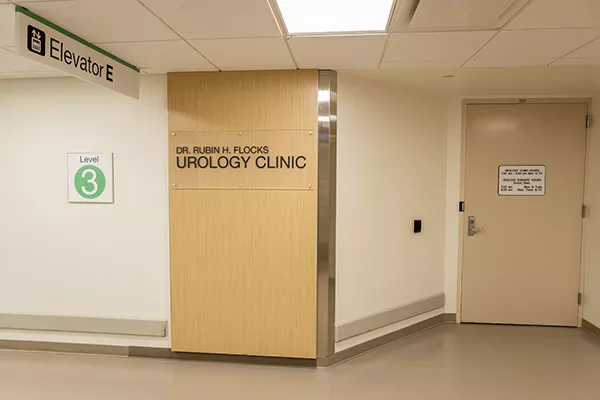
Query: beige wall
{"x": 391, "y": 170}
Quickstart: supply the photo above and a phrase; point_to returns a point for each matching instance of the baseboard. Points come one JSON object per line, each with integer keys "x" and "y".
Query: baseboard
{"x": 379, "y": 342}
{"x": 450, "y": 318}
{"x": 110, "y": 326}
{"x": 166, "y": 353}
{"x": 590, "y": 328}
{"x": 380, "y": 320}
{"x": 149, "y": 352}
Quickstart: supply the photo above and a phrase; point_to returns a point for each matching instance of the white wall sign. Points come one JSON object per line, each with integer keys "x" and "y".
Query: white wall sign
{"x": 522, "y": 180}
{"x": 45, "y": 42}
{"x": 90, "y": 177}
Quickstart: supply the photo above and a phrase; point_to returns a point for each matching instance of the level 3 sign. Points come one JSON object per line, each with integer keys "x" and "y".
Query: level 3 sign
{"x": 90, "y": 177}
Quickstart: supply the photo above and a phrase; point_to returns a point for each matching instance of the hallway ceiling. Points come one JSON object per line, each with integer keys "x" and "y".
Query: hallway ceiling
{"x": 561, "y": 81}
{"x": 209, "y": 35}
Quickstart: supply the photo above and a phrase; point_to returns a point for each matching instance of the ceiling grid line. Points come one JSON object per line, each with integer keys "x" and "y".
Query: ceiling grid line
{"x": 390, "y": 21}
{"x": 385, "y": 46}
{"x": 576, "y": 28}
{"x": 176, "y": 40}
{"x": 177, "y": 33}
{"x": 481, "y": 48}
{"x": 137, "y": 41}
{"x": 388, "y": 28}
{"x": 573, "y": 51}
{"x": 282, "y": 28}
{"x": 417, "y": 31}
{"x": 523, "y": 8}
{"x": 220, "y": 35}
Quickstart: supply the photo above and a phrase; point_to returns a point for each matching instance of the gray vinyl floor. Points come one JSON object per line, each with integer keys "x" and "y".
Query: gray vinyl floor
{"x": 448, "y": 362}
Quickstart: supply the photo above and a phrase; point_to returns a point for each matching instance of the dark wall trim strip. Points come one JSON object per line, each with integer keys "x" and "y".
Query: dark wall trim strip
{"x": 590, "y": 328}
{"x": 148, "y": 352}
{"x": 450, "y": 318}
{"x": 53, "y": 347}
{"x": 379, "y": 342}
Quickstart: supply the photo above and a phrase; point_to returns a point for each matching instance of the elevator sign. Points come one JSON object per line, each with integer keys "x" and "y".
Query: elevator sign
{"x": 522, "y": 180}
{"x": 47, "y": 43}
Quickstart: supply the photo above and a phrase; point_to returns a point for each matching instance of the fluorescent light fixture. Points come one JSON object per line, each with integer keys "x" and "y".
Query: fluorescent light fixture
{"x": 327, "y": 16}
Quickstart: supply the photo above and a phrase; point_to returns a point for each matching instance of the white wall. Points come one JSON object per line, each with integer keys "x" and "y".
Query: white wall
{"x": 591, "y": 299}
{"x": 532, "y": 82}
{"x": 453, "y": 197}
{"x": 391, "y": 170}
{"x": 399, "y": 158}
{"x": 88, "y": 260}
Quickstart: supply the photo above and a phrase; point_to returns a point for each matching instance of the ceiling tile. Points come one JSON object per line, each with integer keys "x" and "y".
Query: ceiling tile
{"x": 154, "y": 71}
{"x": 7, "y": 25}
{"x": 433, "y": 49}
{"x": 546, "y": 14}
{"x": 105, "y": 20}
{"x": 205, "y": 19}
{"x": 575, "y": 62}
{"x": 246, "y": 54}
{"x": 421, "y": 64}
{"x": 338, "y": 52}
{"x": 169, "y": 56}
{"x": 532, "y": 47}
{"x": 10, "y": 62}
{"x": 26, "y": 2}
{"x": 587, "y": 55}
{"x": 31, "y": 74}
{"x": 458, "y": 14}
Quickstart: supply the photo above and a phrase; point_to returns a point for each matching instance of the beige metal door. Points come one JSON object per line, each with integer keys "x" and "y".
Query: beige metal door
{"x": 524, "y": 188}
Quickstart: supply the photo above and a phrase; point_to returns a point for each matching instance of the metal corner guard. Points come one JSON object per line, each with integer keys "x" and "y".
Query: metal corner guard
{"x": 327, "y": 119}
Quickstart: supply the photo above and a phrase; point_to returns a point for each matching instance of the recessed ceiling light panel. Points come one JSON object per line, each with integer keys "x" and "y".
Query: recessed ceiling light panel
{"x": 332, "y": 16}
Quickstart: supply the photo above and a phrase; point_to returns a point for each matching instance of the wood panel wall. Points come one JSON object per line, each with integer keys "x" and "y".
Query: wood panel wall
{"x": 243, "y": 261}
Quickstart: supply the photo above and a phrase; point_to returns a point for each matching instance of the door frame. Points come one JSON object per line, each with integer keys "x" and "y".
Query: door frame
{"x": 462, "y": 215}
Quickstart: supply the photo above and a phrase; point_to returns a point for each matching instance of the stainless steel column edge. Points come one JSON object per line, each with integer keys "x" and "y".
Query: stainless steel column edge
{"x": 327, "y": 98}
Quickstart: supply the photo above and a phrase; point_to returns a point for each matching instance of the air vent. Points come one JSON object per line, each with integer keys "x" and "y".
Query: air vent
{"x": 445, "y": 15}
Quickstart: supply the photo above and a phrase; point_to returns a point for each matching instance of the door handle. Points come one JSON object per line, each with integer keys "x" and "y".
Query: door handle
{"x": 473, "y": 230}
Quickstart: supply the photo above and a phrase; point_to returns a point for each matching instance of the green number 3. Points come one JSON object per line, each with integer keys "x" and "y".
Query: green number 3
{"x": 90, "y": 181}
